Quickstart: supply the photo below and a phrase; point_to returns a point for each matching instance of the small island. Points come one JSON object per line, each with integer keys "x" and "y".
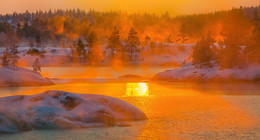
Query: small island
{"x": 60, "y": 109}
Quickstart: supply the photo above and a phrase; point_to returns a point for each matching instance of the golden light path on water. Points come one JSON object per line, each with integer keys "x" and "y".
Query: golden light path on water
{"x": 137, "y": 89}
{"x": 174, "y": 111}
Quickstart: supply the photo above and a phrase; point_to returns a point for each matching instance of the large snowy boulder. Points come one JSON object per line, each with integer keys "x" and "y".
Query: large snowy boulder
{"x": 17, "y": 76}
{"x": 191, "y": 73}
{"x": 59, "y": 109}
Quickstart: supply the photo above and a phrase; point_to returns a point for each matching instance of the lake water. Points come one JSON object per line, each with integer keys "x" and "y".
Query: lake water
{"x": 101, "y": 71}
{"x": 174, "y": 110}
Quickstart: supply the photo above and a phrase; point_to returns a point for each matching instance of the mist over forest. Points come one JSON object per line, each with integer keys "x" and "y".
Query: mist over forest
{"x": 93, "y": 36}
{"x": 58, "y": 25}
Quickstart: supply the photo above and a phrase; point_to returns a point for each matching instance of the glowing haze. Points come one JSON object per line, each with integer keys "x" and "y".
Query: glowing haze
{"x": 174, "y": 7}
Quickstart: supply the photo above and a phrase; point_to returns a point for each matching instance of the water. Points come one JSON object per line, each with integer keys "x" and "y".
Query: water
{"x": 175, "y": 111}
{"x": 101, "y": 71}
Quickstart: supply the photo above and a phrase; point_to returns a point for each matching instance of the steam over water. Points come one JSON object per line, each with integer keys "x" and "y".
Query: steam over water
{"x": 174, "y": 110}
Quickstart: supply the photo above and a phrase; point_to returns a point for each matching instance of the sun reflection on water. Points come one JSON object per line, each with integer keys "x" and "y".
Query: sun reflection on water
{"x": 137, "y": 89}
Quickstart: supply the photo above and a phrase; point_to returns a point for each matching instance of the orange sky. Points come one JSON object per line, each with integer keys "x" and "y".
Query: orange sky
{"x": 174, "y": 7}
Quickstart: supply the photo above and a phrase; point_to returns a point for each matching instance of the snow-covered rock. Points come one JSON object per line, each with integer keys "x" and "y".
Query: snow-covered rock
{"x": 17, "y": 76}
{"x": 59, "y": 109}
{"x": 189, "y": 72}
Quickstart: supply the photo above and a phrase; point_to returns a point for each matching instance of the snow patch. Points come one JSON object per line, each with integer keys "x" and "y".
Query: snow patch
{"x": 189, "y": 72}
{"x": 60, "y": 109}
{"x": 17, "y": 76}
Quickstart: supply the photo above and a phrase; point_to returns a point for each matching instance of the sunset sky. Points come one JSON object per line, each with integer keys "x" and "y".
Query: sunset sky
{"x": 174, "y": 7}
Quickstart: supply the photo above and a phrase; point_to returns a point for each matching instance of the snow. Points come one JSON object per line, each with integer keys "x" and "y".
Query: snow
{"x": 60, "y": 109}
{"x": 17, "y": 76}
{"x": 189, "y": 72}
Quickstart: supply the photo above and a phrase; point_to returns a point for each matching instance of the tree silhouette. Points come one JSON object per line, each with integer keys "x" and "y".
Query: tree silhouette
{"x": 36, "y": 66}
{"x": 6, "y": 57}
{"x": 114, "y": 42}
{"x": 202, "y": 52}
{"x": 252, "y": 51}
{"x": 92, "y": 40}
{"x": 38, "y": 41}
{"x": 81, "y": 51}
{"x": 132, "y": 42}
{"x": 14, "y": 57}
{"x": 230, "y": 55}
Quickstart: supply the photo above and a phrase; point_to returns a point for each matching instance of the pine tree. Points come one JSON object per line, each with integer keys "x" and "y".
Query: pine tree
{"x": 94, "y": 51}
{"x": 36, "y": 66}
{"x": 38, "y": 41}
{"x": 114, "y": 42}
{"x": 14, "y": 57}
{"x": 26, "y": 30}
{"x": 132, "y": 42}
{"x": 257, "y": 26}
{"x": 80, "y": 48}
{"x": 6, "y": 58}
{"x": 252, "y": 51}
{"x": 202, "y": 53}
{"x": 231, "y": 53}
{"x": 18, "y": 30}
{"x": 255, "y": 15}
{"x": 92, "y": 40}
